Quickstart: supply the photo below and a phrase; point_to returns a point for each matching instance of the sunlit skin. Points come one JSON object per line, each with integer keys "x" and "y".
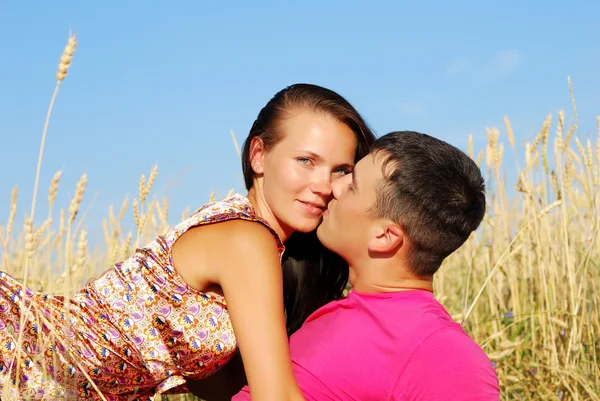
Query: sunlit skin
{"x": 375, "y": 248}
{"x": 294, "y": 178}
{"x": 292, "y": 187}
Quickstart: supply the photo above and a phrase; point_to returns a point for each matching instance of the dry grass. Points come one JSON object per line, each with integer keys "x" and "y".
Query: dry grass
{"x": 525, "y": 285}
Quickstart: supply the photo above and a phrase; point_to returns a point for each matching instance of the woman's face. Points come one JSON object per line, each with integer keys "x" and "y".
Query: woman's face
{"x": 314, "y": 150}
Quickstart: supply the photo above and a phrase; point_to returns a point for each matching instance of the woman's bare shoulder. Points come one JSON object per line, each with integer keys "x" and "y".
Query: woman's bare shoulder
{"x": 203, "y": 253}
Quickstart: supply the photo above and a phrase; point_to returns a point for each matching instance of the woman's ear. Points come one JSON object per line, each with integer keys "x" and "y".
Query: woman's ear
{"x": 257, "y": 155}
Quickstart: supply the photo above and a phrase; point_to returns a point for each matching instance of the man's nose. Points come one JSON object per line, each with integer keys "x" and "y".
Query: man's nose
{"x": 340, "y": 185}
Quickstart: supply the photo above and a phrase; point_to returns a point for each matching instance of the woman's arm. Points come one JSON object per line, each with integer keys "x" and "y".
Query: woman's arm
{"x": 242, "y": 258}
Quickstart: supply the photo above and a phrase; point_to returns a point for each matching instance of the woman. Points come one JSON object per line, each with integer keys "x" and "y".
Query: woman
{"x": 180, "y": 307}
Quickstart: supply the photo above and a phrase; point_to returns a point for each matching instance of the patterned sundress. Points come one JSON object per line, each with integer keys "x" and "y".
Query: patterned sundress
{"x": 137, "y": 331}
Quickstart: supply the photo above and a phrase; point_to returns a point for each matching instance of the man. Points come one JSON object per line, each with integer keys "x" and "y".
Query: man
{"x": 408, "y": 205}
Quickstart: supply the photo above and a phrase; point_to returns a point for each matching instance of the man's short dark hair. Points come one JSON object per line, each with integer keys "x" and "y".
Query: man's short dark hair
{"x": 433, "y": 190}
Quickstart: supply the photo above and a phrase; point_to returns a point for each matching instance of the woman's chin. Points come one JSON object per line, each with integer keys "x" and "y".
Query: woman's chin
{"x": 307, "y": 226}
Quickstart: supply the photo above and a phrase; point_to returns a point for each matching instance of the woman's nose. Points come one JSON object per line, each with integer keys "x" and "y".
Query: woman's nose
{"x": 322, "y": 186}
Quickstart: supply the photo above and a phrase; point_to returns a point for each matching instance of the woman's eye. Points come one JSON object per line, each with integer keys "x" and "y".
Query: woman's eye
{"x": 304, "y": 160}
{"x": 343, "y": 171}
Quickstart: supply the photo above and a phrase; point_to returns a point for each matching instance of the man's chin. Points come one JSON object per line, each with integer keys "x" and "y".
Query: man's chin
{"x": 323, "y": 237}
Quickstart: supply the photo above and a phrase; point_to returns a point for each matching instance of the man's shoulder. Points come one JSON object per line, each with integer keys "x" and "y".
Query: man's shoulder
{"x": 452, "y": 362}
{"x": 452, "y": 346}
{"x": 453, "y": 335}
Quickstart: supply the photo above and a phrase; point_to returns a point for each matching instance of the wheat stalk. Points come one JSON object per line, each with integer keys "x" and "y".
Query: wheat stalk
{"x": 505, "y": 253}
{"x": 235, "y": 144}
{"x": 63, "y": 66}
{"x": 509, "y": 133}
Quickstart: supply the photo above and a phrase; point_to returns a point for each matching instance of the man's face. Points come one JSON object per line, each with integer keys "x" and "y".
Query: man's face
{"x": 347, "y": 226}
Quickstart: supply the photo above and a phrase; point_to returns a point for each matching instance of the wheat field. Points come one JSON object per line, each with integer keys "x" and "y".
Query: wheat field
{"x": 525, "y": 286}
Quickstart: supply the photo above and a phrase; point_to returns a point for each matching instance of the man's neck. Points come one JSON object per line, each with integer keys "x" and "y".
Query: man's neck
{"x": 385, "y": 277}
{"x": 366, "y": 287}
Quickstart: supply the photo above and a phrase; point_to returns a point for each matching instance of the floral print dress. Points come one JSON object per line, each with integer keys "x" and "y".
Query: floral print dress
{"x": 137, "y": 331}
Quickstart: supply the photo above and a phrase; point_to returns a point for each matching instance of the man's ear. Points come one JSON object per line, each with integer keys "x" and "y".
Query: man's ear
{"x": 386, "y": 237}
{"x": 257, "y": 155}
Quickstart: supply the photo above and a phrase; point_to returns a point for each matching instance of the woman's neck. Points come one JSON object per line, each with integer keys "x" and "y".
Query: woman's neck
{"x": 263, "y": 211}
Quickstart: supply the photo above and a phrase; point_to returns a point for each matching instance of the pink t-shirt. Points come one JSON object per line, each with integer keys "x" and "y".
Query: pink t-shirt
{"x": 393, "y": 346}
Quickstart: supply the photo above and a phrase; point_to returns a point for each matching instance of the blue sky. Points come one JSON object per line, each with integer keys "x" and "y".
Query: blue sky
{"x": 157, "y": 83}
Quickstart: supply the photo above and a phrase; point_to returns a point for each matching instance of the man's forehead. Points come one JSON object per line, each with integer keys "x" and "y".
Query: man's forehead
{"x": 368, "y": 169}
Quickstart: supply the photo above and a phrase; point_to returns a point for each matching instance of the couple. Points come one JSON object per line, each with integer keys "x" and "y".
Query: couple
{"x": 172, "y": 317}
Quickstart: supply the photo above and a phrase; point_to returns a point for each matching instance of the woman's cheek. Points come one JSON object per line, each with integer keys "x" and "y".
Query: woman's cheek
{"x": 296, "y": 175}
{"x": 337, "y": 176}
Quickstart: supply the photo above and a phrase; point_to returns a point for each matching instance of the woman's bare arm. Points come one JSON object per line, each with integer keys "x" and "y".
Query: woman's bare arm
{"x": 241, "y": 257}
